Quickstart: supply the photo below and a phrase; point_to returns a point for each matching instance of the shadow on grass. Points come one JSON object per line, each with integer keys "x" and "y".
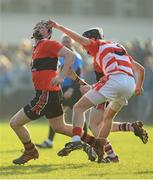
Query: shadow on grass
{"x": 34, "y": 169}
{"x": 23, "y": 170}
{"x": 122, "y": 175}
{"x": 8, "y": 151}
{"x": 135, "y": 173}
{"x": 144, "y": 172}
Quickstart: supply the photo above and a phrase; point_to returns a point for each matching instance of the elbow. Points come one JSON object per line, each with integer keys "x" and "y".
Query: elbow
{"x": 142, "y": 70}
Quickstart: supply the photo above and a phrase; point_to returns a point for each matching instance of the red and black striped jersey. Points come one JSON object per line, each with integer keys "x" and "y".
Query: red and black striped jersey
{"x": 44, "y": 64}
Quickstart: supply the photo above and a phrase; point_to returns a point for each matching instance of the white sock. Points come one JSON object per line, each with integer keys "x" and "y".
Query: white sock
{"x": 130, "y": 127}
{"x": 50, "y": 142}
{"x": 112, "y": 155}
{"x": 76, "y": 138}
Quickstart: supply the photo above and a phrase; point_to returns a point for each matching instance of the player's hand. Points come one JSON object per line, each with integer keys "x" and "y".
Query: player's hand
{"x": 139, "y": 91}
{"x": 52, "y": 24}
{"x": 84, "y": 89}
{"x": 57, "y": 80}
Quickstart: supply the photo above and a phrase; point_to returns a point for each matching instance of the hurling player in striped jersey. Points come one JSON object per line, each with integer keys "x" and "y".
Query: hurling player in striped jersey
{"x": 116, "y": 86}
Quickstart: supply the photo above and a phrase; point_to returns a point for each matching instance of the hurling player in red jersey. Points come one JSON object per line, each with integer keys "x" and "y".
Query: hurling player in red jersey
{"x": 117, "y": 86}
{"x": 70, "y": 89}
{"x": 48, "y": 97}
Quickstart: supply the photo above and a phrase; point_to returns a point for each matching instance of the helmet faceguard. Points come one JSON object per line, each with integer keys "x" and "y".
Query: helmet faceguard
{"x": 36, "y": 30}
{"x": 96, "y": 33}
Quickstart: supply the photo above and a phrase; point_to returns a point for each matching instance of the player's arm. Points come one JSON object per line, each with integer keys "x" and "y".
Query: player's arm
{"x": 68, "y": 56}
{"x": 141, "y": 74}
{"x": 68, "y": 62}
{"x": 74, "y": 35}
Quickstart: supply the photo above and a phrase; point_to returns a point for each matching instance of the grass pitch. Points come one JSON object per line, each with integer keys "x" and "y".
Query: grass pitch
{"x": 136, "y": 159}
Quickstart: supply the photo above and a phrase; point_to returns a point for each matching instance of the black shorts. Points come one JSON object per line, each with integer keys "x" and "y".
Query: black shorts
{"x": 45, "y": 103}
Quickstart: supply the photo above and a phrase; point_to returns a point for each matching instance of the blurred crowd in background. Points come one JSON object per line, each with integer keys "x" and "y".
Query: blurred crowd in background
{"x": 15, "y": 78}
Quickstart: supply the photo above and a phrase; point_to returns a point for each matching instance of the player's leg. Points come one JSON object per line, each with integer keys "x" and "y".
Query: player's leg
{"x": 78, "y": 121}
{"x": 135, "y": 127}
{"x": 51, "y": 136}
{"x": 17, "y": 123}
{"x": 77, "y": 131}
{"x": 108, "y": 117}
{"x": 59, "y": 125}
{"x": 57, "y": 122}
{"x": 32, "y": 111}
{"x": 48, "y": 143}
{"x": 96, "y": 122}
{"x": 74, "y": 99}
{"x": 56, "y": 119}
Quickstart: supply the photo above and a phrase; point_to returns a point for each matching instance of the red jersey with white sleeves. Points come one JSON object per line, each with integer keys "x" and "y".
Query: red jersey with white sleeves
{"x": 111, "y": 57}
{"x": 44, "y": 64}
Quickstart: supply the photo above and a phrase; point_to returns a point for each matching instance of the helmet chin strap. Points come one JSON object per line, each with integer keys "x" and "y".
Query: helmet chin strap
{"x": 50, "y": 33}
{"x": 49, "y": 36}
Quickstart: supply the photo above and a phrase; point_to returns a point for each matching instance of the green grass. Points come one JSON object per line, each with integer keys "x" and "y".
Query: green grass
{"x": 136, "y": 159}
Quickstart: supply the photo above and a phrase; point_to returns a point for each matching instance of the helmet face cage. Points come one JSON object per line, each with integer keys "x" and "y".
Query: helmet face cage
{"x": 96, "y": 33}
{"x": 36, "y": 34}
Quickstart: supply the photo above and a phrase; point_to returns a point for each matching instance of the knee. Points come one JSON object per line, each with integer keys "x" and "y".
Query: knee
{"x": 78, "y": 108}
{"x": 13, "y": 123}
